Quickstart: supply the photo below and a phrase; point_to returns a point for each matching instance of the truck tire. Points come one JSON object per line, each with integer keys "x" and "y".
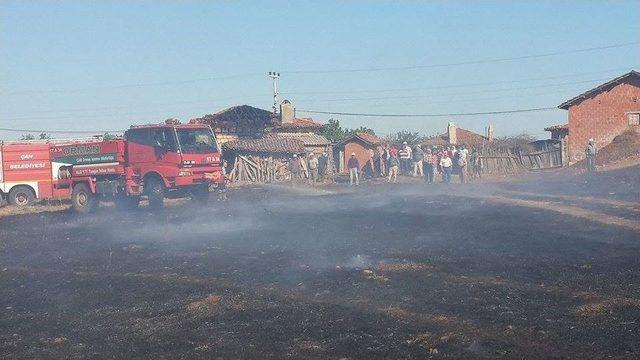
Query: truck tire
{"x": 200, "y": 194}
{"x": 154, "y": 189}
{"x": 21, "y": 196}
{"x": 82, "y": 199}
{"x": 124, "y": 202}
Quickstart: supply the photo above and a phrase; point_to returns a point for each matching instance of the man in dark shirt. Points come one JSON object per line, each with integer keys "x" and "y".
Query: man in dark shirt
{"x": 323, "y": 161}
{"x": 354, "y": 167}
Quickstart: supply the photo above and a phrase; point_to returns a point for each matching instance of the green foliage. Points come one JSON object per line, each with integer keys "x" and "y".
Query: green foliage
{"x": 332, "y": 131}
{"x": 412, "y": 138}
{"x": 108, "y": 136}
{"x": 27, "y": 137}
{"x": 335, "y": 133}
{"x": 44, "y": 136}
{"x": 361, "y": 129}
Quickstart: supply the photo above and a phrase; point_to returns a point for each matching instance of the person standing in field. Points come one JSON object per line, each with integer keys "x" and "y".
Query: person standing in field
{"x": 428, "y": 166}
{"x": 590, "y": 151}
{"x": 394, "y": 164}
{"x": 418, "y": 158}
{"x": 354, "y": 167}
{"x": 446, "y": 165}
{"x": 405, "y": 159}
{"x": 476, "y": 164}
{"x": 294, "y": 168}
{"x": 313, "y": 168}
{"x": 323, "y": 162}
{"x": 462, "y": 164}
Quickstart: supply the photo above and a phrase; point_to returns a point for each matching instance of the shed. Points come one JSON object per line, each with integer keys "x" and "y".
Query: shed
{"x": 312, "y": 142}
{"x": 267, "y": 146}
{"x": 360, "y": 143}
{"x": 558, "y": 132}
{"x": 238, "y": 122}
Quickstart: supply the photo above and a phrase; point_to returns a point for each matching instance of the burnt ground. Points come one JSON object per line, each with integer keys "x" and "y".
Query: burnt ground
{"x": 541, "y": 269}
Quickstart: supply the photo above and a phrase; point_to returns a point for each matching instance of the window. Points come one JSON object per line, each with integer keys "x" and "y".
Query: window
{"x": 140, "y": 136}
{"x": 196, "y": 141}
{"x": 165, "y": 138}
{"x": 634, "y": 118}
{"x": 154, "y": 136}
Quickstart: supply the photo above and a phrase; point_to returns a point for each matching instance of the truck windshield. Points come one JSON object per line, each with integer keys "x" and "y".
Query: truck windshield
{"x": 196, "y": 141}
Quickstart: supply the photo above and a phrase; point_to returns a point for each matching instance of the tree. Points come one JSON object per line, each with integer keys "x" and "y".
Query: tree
{"x": 361, "y": 129}
{"x": 27, "y": 137}
{"x": 44, "y": 136}
{"x": 108, "y": 136}
{"x": 412, "y": 138}
{"x": 333, "y": 131}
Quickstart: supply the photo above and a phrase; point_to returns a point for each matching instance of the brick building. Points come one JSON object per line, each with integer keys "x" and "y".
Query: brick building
{"x": 602, "y": 113}
{"x": 360, "y": 143}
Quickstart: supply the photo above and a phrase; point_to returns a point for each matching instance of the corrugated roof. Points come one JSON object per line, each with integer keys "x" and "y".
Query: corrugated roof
{"x": 309, "y": 139}
{"x": 557, "y": 127}
{"x": 302, "y": 123}
{"x": 267, "y": 144}
{"x": 367, "y": 138}
{"x": 631, "y": 74}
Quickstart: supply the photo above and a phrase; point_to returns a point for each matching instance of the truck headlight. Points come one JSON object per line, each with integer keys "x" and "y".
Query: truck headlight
{"x": 184, "y": 173}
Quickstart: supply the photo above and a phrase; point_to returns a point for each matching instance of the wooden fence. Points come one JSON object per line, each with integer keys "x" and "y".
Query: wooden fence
{"x": 257, "y": 169}
{"x": 515, "y": 161}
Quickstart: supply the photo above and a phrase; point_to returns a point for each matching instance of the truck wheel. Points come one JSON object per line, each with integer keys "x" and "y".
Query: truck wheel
{"x": 21, "y": 196}
{"x": 154, "y": 189}
{"x": 200, "y": 194}
{"x": 124, "y": 202}
{"x": 82, "y": 199}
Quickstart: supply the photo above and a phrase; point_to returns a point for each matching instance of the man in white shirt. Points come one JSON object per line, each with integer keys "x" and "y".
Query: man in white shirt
{"x": 405, "y": 159}
{"x": 446, "y": 164}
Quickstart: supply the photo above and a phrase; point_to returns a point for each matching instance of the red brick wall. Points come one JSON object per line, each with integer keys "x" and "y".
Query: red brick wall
{"x": 362, "y": 153}
{"x": 601, "y": 117}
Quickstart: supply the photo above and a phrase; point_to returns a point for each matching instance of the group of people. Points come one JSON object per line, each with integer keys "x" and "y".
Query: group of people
{"x": 391, "y": 161}
{"x": 314, "y": 168}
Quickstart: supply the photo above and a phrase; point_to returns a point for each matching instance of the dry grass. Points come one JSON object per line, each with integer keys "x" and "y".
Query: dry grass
{"x": 206, "y": 307}
{"x": 404, "y": 267}
{"x": 599, "y": 306}
{"x": 10, "y": 210}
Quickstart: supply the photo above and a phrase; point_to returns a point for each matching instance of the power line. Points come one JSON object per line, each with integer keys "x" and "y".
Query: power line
{"x": 453, "y": 86}
{"x": 22, "y": 117}
{"x": 430, "y": 115}
{"x": 470, "y": 62}
{"x": 460, "y": 93}
{"x": 61, "y": 131}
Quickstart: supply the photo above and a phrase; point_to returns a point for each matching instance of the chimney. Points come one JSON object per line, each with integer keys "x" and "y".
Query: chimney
{"x": 451, "y": 133}
{"x": 490, "y": 133}
{"x": 287, "y": 112}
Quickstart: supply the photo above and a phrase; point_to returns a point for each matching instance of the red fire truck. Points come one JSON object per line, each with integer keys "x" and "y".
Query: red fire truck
{"x": 26, "y": 170}
{"x": 157, "y": 161}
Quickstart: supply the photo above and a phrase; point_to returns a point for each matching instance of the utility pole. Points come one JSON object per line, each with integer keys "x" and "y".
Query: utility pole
{"x": 275, "y": 76}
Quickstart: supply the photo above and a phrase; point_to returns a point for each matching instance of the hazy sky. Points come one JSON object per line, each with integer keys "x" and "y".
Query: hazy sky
{"x": 89, "y": 65}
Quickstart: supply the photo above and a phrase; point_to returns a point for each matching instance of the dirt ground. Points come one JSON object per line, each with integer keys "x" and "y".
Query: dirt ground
{"x": 543, "y": 268}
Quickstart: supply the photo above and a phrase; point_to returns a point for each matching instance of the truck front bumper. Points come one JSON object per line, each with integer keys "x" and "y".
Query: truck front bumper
{"x": 209, "y": 177}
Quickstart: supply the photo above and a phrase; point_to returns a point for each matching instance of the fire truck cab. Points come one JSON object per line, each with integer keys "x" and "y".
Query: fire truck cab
{"x": 159, "y": 161}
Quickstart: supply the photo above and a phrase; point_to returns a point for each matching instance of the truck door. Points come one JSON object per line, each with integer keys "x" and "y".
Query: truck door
{"x": 153, "y": 149}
